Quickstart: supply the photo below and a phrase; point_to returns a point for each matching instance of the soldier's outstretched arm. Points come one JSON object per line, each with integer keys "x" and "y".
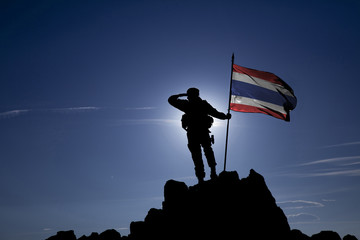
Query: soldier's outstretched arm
{"x": 215, "y": 113}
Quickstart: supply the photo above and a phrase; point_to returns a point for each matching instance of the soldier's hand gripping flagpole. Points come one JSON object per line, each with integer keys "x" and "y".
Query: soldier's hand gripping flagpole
{"x": 227, "y": 127}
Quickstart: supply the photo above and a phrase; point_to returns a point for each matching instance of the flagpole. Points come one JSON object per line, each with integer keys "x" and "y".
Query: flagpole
{"x": 227, "y": 127}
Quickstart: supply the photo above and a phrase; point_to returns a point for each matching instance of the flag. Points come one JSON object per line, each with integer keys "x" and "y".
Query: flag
{"x": 260, "y": 92}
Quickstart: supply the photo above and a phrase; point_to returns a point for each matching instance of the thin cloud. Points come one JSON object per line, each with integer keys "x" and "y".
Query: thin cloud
{"x": 328, "y": 173}
{"x": 343, "y": 144}
{"x": 18, "y": 112}
{"x": 302, "y": 218}
{"x": 330, "y": 167}
{"x": 348, "y": 173}
{"x": 82, "y": 108}
{"x": 186, "y": 178}
{"x": 140, "y": 108}
{"x": 123, "y": 228}
{"x": 350, "y": 164}
{"x": 73, "y": 109}
{"x": 158, "y": 121}
{"x": 330, "y": 160}
{"x": 299, "y": 204}
{"x": 14, "y": 113}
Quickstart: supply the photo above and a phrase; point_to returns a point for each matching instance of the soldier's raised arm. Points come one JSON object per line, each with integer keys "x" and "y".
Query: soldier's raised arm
{"x": 176, "y": 102}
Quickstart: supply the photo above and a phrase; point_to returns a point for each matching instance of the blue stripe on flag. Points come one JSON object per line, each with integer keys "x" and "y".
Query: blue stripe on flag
{"x": 252, "y": 91}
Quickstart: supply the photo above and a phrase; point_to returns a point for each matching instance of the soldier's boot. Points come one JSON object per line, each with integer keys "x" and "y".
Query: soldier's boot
{"x": 213, "y": 174}
{"x": 200, "y": 174}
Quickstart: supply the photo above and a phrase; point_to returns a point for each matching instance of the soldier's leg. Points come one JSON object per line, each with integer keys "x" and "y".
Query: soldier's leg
{"x": 195, "y": 149}
{"x": 198, "y": 162}
{"x": 210, "y": 157}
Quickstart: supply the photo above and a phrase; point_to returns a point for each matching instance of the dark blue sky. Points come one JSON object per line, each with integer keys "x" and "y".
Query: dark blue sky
{"x": 88, "y": 140}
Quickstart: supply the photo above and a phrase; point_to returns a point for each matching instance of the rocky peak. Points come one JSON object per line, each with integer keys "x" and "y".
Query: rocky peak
{"x": 223, "y": 208}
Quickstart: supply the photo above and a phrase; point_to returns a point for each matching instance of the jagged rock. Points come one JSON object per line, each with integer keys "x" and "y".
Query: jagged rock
{"x": 93, "y": 236}
{"x": 63, "y": 235}
{"x": 110, "y": 234}
{"x": 350, "y": 237}
{"x": 296, "y": 234}
{"x": 138, "y": 230}
{"x": 175, "y": 194}
{"x": 326, "y": 235}
{"x": 224, "y": 208}
{"x": 218, "y": 209}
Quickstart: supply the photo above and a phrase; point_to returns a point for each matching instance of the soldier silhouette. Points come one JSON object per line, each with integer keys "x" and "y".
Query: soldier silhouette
{"x": 196, "y": 121}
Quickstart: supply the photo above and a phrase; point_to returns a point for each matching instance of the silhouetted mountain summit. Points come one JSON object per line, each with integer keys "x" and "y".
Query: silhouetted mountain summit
{"x": 224, "y": 208}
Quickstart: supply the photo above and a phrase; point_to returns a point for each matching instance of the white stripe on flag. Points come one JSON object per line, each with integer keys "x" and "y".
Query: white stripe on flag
{"x": 260, "y": 82}
{"x": 256, "y": 103}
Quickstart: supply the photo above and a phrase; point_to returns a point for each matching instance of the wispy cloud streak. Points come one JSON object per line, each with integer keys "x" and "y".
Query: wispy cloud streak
{"x": 350, "y": 164}
{"x": 73, "y": 109}
{"x": 18, "y": 112}
{"x": 302, "y": 218}
{"x": 14, "y": 113}
{"x": 350, "y": 173}
{"x": 140, "y": 108}
{"x": 339, "y": 166}
{"x": 145, "y": 121}
{"x": 299, "y": 204}
{"x": 329, "y": 160}
{"x": 343, "y": 144}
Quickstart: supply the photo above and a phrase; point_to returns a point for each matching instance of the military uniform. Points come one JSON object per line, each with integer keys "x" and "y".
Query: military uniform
{"x": 197, "y": 121}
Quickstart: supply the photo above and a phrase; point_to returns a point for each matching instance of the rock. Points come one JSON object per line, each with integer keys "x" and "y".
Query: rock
{"x": 110, "y": 234}
{"x": 326, "y": 235}
{"x": 296, "y": 234}
{"x": 175, "y": 196}
{"x": 63, "y": 235}
{"x": 138, "y": 230}
{"x": 93, "y": 236}
{"x": 223, "y": 208}
{"x": 350, "y": 237}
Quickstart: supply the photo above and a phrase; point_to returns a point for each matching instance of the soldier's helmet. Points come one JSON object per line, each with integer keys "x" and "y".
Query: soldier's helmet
{"x": 193, "y": 92}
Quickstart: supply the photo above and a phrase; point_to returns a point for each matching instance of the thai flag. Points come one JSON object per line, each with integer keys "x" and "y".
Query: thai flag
{"x": 261, "y": 92}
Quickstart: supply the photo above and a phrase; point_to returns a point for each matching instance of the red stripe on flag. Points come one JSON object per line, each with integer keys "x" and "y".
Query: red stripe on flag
{"x": 258, "y": 74}
{"x": 252, "y": 109}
